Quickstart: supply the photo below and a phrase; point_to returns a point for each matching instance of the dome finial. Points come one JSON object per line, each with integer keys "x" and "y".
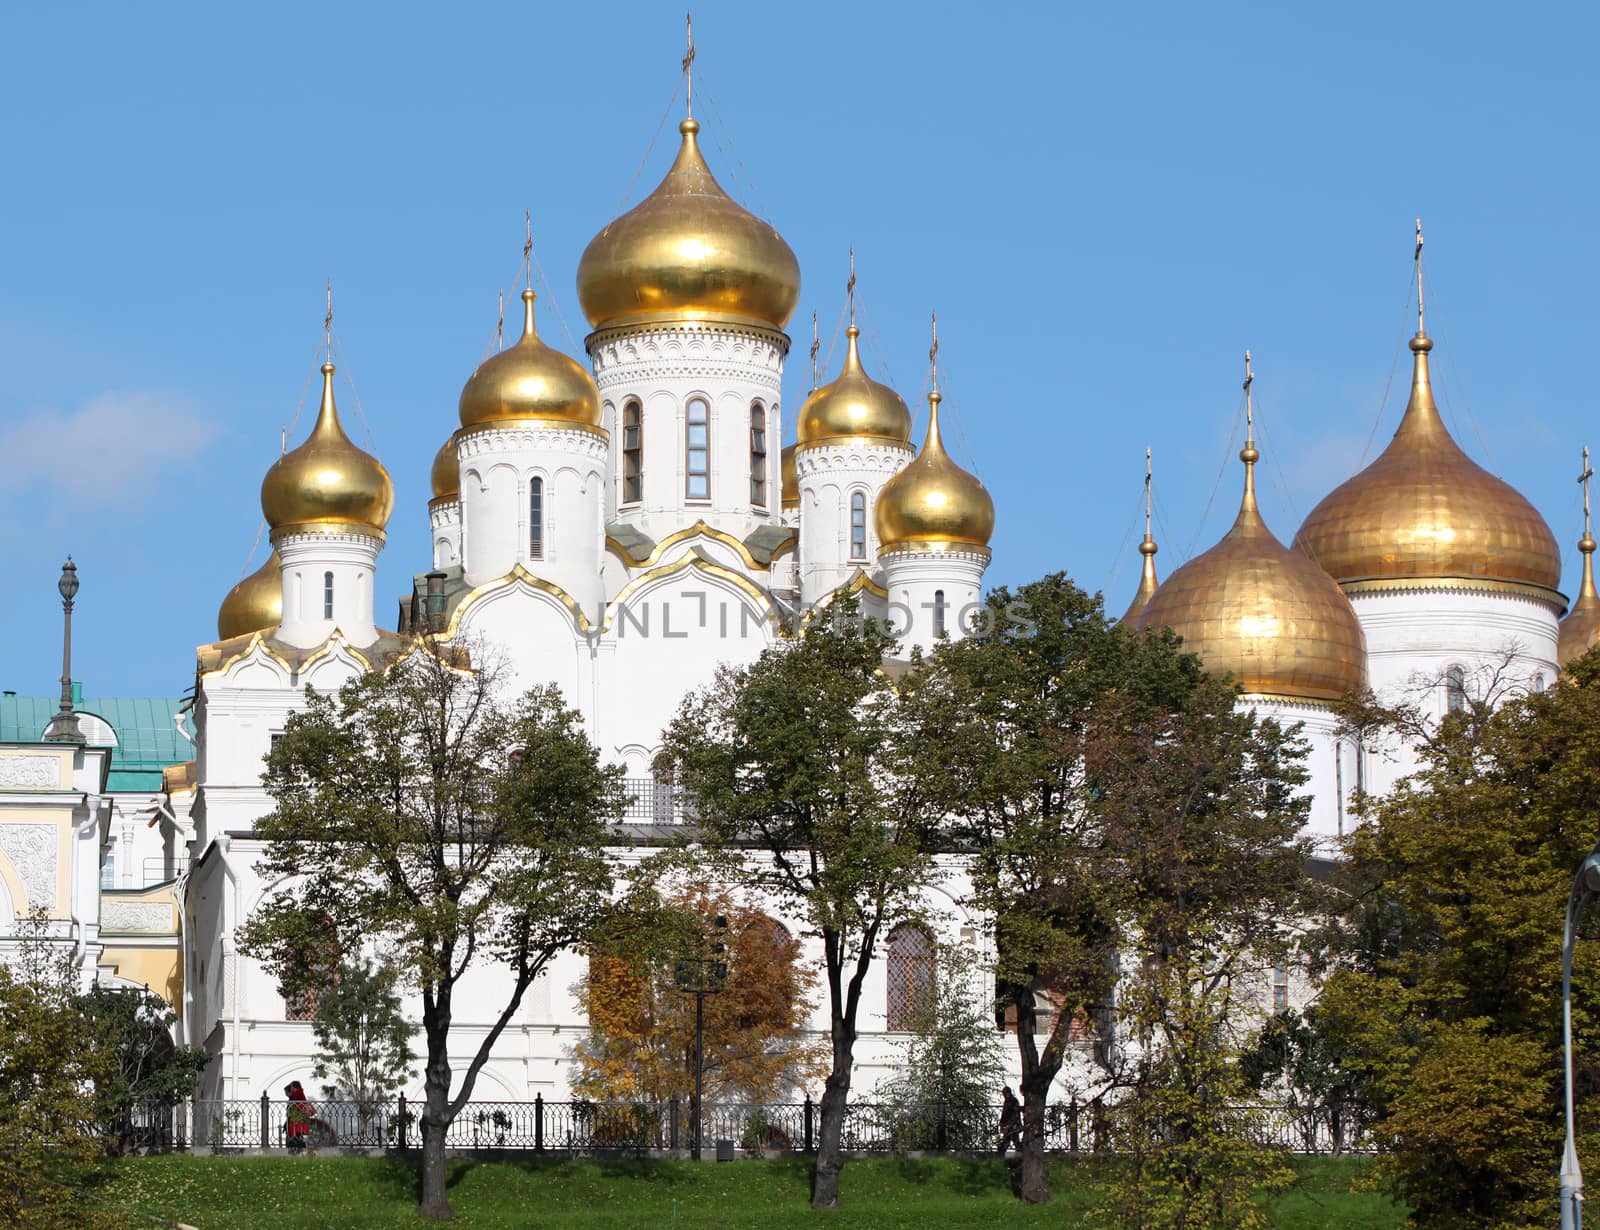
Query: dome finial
{"x": 816, "y": 349}
{"x": 1148, "y": 584}
{"x": 1417, "y": 257}
{"x": 933, "y": 354}
{"x": 688, "y": 65}
{"x": 529, "y": 333}
{"x": 1581, "y": 627}
{"x": 1249, "y": 454}
{"x": 327, "y": 324}
{"x": 850, "y": 286}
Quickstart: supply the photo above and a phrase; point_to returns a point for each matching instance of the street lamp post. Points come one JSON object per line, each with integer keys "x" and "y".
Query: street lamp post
{"x": 701, "y": 976}
{"x": 1584, "y": 886}
{"x": 64, "y": 726}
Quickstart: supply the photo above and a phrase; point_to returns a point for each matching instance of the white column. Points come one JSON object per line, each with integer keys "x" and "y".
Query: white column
{"x": 830, "y": 474}
{"x": 327, "y": 584}
{"x": 934, "y": 592}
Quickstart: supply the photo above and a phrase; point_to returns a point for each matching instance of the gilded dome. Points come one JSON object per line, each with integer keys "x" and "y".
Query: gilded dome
{"x": 791, "y": 480}
{"x": 688, "y": 251}
{"x": 445, "y": 477}
{"x": 1580, "y": 630}
{"x": 255, "y": 604}
{"x": 1425, "y": 510}
{"x": 933, "y": 502}
{"x": 853, "y": 405}
{"x": 530, "y": 381}
{"x": 1265, "y": 614}
{"x": 327, "y": 483}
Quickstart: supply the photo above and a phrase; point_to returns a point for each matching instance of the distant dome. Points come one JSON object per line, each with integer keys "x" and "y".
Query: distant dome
{"x": 530, "y": 381}
{"x": 853, "y": 405}
{"x": 445, "y": 477}
{"x": 791, "y": 478}
{"x": 933, "y": 502}
{"x": 688, "y": 251}
{"x": 1580, "y": 630}
{"x": 255, "y": 604}
{"x": 327, "y": 483}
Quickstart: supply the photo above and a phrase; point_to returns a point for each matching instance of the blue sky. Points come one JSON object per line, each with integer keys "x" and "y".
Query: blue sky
{"x": 1105, "y": 204}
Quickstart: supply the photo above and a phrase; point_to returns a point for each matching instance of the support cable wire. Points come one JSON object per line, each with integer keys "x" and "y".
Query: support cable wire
{"x": 1394, "y": 366}
{"x": 1455, "y": 389}
{"x": 1122, "y": 547}
{"x": 323, "y": 350}
{"x": 743, "y": 174}
{"x": 627, "y": 193}
{"x": 1200, "y": 525}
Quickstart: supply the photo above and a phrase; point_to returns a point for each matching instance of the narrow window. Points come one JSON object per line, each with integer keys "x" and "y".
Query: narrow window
{"x": 632, "y": 454}
{"x": 858, "y": 525}
{"x": 327, "y": 595}
{"x": 1538, "y": 683}
{"x": 108, "y": 865}
{"x": 536, "y": 519}
{"x": 1455, "y": 690}
{"x": 758, "y": 455}
{"x": 911, "y": 975}
{"x": 938, "y": 612}
{"x": 697, "y": 451}
{"x": 1280, "y": 988}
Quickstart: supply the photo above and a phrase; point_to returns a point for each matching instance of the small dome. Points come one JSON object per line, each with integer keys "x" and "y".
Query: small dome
{"x": 255, "y": 604}
{"x": 1580, "y": 630}
{"x": 933, "y": 502}
{"x": 791, "y": 479}
{"x": 1425, "y": 510}
{"x": 1265, "y": 614}
{"x": 327, "y": 483}
{"x": 853, "y": 405}
{"x": 446, "y": 474}
{"x": 530, "y": 381}
{"x": 688, "y": 251}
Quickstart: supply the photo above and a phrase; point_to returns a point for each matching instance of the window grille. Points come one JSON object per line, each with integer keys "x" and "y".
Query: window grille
{"x": 758, "y": 456}
{"x": 697, "y": 451}
{"x": 536, "y": 519}
{"x": 858, "y": 525}
{"x": 911, "y": 973}
{"x": 632, "y": 453}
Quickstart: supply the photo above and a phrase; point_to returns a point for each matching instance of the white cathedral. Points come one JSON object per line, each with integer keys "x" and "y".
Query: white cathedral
{"x": 622, "y": 528}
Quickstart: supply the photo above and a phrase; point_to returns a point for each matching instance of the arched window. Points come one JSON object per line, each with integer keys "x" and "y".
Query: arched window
{"x": 632, "y": 454}
{"x": 697, "y": 451}
{"x": 911, "y": 966}
{"x": 938, "y": 612}
{"x": 1538, "y": 682}
{"x": 758, "y": 455}
{"x": 536, "y": 519}
{"x": 1455, "y": 690}
{"x": 858, "y": 525}
{"x": 327, "y": 595}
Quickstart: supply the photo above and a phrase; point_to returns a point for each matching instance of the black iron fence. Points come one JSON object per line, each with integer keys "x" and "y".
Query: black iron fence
{"x": 581, "y": 1127}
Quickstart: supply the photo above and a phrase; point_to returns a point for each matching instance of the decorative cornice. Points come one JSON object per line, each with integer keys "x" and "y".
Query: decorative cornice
{"x": 504, "y": 434}
{"x": 329, "y": 531}
{"x": 846, "y": 452}
{"x": 712, "y": 324}
{"x": 922, "y": 549}
{"x": 1364, "y": 586}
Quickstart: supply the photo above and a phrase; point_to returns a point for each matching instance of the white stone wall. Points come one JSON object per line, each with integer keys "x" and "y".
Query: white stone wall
{"x": 444, "y": 519}
{"x": 920, "y": 580}
{"x": 307, "y": 559}
{"x": 830, "y": 474}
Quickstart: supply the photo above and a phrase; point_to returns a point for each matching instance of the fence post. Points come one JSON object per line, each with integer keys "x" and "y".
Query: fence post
{"x": 538, "y": 1123}
{"x": 1072, "y": 1124}
{"x": 941, "y": 1131}
{"x": 266, "y": 1122}
{"x": 400, "y": 1124}
{"x": 810, "y": 1110}
{"x": 672, "y": 1123}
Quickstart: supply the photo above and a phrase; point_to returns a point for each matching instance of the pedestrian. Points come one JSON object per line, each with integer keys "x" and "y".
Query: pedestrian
{"x": 301, "y": 1112}
{"x": 1010, "y": 1121}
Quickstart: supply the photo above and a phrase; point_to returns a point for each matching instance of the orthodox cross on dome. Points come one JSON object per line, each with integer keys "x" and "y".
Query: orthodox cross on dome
{"x": 1147, "y": 495}
{"x": 527, "y": 246}
{"x": 933, "y": 354}
{"x": 850, "y": 286}
{"x": 688, "y": 64}
{"x": 327, "y": 323}
{"x": 816, "y": 348}
{"x": 1249, "y": 406}
{"x": 500, "y": 324}
{"x": 1417, "y": 257}
{"x": 1583, "y": 481}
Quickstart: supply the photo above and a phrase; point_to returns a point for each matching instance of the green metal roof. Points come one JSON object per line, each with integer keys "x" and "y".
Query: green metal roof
{"x": 146, "y": 732}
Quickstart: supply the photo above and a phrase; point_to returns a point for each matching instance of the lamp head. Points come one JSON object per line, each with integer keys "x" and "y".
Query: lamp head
{"x": 68, "y": 584}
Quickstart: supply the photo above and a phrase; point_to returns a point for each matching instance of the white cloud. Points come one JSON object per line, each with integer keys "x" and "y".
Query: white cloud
{"x": 105, "y": 450}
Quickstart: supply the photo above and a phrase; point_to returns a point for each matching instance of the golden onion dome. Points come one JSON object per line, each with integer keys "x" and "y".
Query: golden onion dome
{"x": 1424, "y": 510}
{"x": 445, "y": 477}
{"x": 853, "y": 405}
{"x": 1265, "y": 614}
{"x": 1147, "y": 582}
{"x": 255, "y": 604}
{"x": 327, "y": 483}
{"x": 933, "y": 503}
{"x": 688, "y": 251}
{"x": 530, "y": 381}
{"x": 791, "y": 479}
{"x": 1580, "y": 630}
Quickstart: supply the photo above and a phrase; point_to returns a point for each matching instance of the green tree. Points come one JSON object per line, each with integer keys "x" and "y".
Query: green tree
{"x": 421, "y": 810}
{"x": 1448, "y": 981}
{"x": 798, "y": 764}
{"x": 1302, "y": 1057}
{"x": 51, "y": 1061}
{"x": 951, "y": 1064}
{"x": 363, "y": 1037}
{"x": 146, "y": 1070}
{"x": 1009, "y": 717}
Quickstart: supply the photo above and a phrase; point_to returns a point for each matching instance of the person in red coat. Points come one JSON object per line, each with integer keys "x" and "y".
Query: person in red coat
{"x": 301, "y": 1112}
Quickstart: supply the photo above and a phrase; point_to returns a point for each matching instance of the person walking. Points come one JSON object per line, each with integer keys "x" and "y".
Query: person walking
{"x": 301, "y": 1112}
{"x": 1010, "y": 1121}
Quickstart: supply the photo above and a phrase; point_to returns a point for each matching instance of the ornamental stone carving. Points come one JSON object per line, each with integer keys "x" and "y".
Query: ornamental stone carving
{"x": 30, "y": 772}
{"x": 148, "y": 917}
{"x": 31, "y": 849}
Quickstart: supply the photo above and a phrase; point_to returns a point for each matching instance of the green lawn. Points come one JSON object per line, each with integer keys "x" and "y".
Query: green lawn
{"x": 336, "y": 1192}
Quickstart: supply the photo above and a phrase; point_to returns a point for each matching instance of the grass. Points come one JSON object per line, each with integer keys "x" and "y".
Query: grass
{"x": 276, "y": 1193}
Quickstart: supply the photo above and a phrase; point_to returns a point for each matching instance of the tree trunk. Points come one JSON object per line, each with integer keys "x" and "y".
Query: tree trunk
{"x": 830, "y": 1135}
{"x": 1035, "y": 1187}
{"x": 435, "y": 1204}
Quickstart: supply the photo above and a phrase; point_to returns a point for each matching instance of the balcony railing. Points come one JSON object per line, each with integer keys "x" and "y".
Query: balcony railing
{"x": 655, "y": 802}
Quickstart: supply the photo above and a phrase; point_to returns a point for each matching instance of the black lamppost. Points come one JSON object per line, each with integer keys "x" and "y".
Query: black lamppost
{"x": 702, "y": 976}
{"x": 1584, "y": 885}
{"x": 64, "y": 727}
